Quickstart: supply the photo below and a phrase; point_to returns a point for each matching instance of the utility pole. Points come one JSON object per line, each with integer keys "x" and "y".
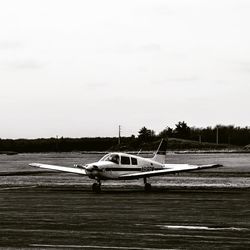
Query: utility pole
{"x": 119, "y": 138}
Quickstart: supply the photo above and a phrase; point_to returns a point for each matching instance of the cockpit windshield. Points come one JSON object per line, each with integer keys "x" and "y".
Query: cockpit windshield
{"x": 111, "y": 157}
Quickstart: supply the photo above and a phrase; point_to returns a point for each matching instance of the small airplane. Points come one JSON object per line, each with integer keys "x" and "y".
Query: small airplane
{"x": 122, "y": 166}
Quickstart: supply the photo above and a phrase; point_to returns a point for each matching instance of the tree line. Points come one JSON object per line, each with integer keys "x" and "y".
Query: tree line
{"x": 220, "y": 134}
{"x": 180, "y": 137}
{"x": 57, "y": 144}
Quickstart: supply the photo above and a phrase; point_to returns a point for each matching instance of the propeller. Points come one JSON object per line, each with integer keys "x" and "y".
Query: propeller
{"x": 93, "y": 171}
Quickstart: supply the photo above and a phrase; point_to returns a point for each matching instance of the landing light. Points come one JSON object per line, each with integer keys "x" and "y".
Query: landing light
{"x": 79, "y": 166}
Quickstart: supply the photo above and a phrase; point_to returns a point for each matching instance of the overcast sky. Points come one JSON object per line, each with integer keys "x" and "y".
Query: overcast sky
{"x": 81, "y": 68}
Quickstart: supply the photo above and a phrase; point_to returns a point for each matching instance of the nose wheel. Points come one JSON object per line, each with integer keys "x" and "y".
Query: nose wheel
{"x": 147, "y": 186}
{"x": 96, "y": 187}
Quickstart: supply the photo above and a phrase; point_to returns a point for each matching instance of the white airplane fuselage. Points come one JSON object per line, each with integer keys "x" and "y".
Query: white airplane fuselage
{"x": 108, "y": 168}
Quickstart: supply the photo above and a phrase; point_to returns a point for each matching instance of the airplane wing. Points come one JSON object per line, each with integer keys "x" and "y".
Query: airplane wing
{"x": 168, "y": 169}
{"x": 60, "y": 168}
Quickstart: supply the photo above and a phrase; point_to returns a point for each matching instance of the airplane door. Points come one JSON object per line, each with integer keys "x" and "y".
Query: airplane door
{"x": 125, "y": 164}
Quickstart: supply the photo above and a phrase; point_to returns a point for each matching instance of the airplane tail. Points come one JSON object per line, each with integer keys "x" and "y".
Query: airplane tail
{"x": 160, "y": 155}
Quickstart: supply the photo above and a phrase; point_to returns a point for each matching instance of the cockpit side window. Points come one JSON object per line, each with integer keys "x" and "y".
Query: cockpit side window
{"x": 114, "y": 158}
{"x": 134, "y": 161}
{"x": 125, "y": 160}
{"x": 111, "y": 157}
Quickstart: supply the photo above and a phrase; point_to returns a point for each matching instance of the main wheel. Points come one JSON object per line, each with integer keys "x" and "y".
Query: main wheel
{"x": 147, "y": 187}
{"x": 96, "y": 188}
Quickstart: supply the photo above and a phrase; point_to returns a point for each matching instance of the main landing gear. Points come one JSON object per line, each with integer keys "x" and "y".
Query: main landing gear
{"x": 96, "y": 187}
{"x": 147, "y": 186}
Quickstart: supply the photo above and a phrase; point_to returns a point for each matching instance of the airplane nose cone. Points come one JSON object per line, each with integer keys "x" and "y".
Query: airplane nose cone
{"x": 93, "y": 171}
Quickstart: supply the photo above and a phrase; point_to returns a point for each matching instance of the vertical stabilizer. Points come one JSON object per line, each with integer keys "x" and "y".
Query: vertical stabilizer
{"x": 160, "y": 155}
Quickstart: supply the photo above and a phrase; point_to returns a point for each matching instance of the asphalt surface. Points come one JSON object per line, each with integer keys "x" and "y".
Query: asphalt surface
{"x": 50, "y": 217}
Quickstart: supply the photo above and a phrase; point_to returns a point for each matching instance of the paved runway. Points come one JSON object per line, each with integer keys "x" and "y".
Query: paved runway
{"x": 66, "y": 217}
